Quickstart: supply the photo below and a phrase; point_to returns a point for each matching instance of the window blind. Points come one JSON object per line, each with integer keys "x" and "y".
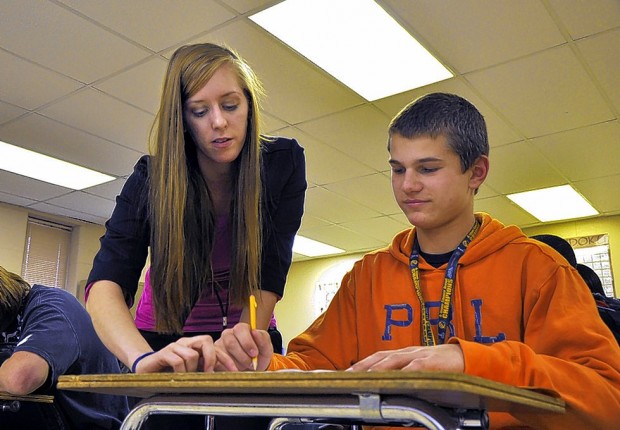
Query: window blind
{"x": 46, "y": 253}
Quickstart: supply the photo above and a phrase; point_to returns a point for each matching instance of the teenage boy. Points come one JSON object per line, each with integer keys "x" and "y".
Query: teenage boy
{"x": 460, "y": 292}
{"x": 44, "y": 333}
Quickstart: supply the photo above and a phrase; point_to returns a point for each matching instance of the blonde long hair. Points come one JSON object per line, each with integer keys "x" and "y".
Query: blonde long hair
{"x": 181, "y": 210}
{"x": 13, "y": 291}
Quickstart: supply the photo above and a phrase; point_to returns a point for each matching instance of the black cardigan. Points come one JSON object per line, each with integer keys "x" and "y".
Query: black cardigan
{"x": 124, "y": 246}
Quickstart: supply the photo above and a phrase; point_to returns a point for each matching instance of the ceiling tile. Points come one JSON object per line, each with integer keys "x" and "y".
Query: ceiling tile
{"x": 298, "y": 257}
{"x": 516, "y": 167}
{"x": 345, "y": 239}
{"x": 324, "y": 164}
{"x": 108, "y": 190}
{"x": 499, "y": 131}
{"x": 382, "y": 228}
{"x": 85, "y": 203}
{"x": 31, "y": 189}
{"x": 289, "y": 96}
{"x": 580, "y": 20}
{"x": 139, "y": 86}
{"x": 155, "y": 24}
{"x": 602, "y": 193}
{"x": 9, "y": 112}
{"x": 309, "y": 222}
{"x": 16, "y": 200}
{"x": 245, "y": 6}
{"x": 516, "y": 61}
{"x": 105, "y": 117}
{"x": 401, "y": 218}
{"x": 63, "y": 41}
{"x": 272, "y": 124}
{"x": 70, "y": 213}
{"x": 597, "y": 51}
{"x": 374, "y": 191}
{"x": 485, "y": 191}
{"x": 505, "y": 211}
{"x": 326, "y": 205}
{"x": 360, "y": 132}
{"x": 584, "y": 153}
{"x": 471, "y": 34}
{"x": 49, "y": 137}
{"x": 544, "y": 93}
{"x": 37, "y": 85}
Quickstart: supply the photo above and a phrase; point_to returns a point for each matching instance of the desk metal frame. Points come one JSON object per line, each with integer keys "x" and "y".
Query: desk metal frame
{"x": 355, "y": 409}
{"x": 12, "y": 402}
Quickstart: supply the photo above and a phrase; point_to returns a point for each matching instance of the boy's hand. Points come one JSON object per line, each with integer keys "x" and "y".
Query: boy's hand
{"x": 448, "y": 358}
{"x": 239, "y": 344}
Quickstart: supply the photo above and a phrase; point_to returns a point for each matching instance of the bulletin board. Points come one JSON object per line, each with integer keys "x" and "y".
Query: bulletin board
{"x": 593, "y": 251}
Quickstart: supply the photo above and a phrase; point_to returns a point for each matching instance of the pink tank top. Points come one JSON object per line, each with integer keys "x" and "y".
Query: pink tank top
{"x": 210, "y": 312}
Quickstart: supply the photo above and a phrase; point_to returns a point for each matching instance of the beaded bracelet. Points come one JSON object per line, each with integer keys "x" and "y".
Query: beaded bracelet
{"x": 137, "y": 360}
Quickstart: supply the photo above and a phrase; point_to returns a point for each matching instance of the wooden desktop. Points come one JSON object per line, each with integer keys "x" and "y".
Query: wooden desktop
{"x": 435, "y": 400}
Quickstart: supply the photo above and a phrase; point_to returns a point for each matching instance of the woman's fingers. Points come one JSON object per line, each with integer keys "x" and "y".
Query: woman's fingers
{"x": 188, "y": 354}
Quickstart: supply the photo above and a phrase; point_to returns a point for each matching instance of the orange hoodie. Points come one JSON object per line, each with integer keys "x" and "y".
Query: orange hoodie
{"x": 521, "y": 314}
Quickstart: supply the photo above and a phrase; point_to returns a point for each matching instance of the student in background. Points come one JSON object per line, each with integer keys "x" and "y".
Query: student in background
{"x": 460, "y": 292}
{"x": 217, "y": 204}
{"x": 608, "y": 307}
{"x": 49, "y": 333}
{"x": 559, "y": 244}
{"x": 591, "y": 279}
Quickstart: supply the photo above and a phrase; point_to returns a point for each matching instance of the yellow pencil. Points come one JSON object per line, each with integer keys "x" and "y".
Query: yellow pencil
{"x": 253, "y": 324}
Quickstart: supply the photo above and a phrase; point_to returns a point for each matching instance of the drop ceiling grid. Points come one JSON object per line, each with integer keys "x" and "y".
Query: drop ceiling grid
{"x": 81, "y": 81}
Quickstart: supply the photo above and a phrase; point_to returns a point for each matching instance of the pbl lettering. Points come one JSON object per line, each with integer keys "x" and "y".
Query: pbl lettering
{"x": 401, "y": 316}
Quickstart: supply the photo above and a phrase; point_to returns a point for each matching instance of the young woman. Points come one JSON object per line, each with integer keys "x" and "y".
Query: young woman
{"x": 216, "y": 203}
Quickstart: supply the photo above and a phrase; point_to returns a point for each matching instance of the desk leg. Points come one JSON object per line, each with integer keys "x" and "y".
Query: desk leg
{"x": 9, "y": 406}
{"x": 280, "y": 423}
{"x": 432, "y": 417}
{"x": 137, "y": 416}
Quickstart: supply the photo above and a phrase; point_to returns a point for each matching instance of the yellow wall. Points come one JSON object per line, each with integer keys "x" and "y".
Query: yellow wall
{"x": 587, "y": 227}
{"x": 13, "y": 224}
{"x": 295, "y": 311}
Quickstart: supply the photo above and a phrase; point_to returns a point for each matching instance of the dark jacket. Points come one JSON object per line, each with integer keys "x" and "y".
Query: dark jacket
{"x": 124, "y": 246}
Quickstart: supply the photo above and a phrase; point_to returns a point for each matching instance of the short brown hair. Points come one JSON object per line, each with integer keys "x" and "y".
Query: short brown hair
{"x": 449, "y": 115}
{"x": 13, "y": 291}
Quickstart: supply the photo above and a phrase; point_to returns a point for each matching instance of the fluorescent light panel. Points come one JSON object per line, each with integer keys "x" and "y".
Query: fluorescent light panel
{"x": 355, "y": 41}
{"x": 554, "y": 204}
{"x": 48, "y": 169}
{"x": 312, "y": 248}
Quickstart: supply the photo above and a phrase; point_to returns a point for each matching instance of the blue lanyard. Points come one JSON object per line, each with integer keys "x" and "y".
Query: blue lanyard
{"x": 447, "y": 289}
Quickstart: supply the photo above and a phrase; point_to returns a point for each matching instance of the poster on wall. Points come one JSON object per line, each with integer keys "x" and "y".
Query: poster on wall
{"x": 593, "y": 251}
{"x": 329, "y": 282}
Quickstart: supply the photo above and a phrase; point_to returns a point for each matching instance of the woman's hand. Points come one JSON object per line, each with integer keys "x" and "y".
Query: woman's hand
{"x": 188, "y": 354}
{"x": 239, "y": 345}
